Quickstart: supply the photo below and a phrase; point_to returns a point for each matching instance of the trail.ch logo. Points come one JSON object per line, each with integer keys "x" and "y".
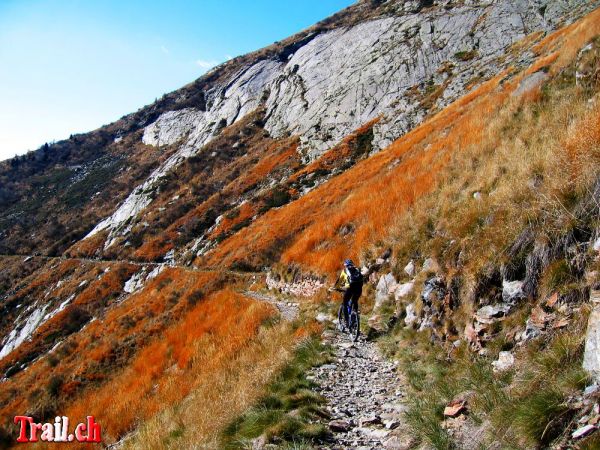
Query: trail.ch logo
{"x": 90, "y": 431}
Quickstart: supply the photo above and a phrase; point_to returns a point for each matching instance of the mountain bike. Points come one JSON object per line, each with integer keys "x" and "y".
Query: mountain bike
{"x": 352, "y": 327}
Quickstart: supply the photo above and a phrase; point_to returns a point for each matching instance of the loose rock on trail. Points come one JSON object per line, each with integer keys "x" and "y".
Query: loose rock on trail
{"x": 364, "y": 397}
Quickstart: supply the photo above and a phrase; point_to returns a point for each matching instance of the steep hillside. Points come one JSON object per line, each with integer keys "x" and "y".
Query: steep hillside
{"x": 452, "y": 147}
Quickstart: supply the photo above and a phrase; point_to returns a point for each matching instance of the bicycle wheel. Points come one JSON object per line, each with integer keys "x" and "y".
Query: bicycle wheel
{"x": 354, "y": 325}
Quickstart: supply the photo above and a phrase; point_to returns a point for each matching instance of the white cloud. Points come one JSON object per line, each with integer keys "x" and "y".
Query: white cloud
{"x": 204, "y": 64}
{"x": 164, "y": 49}
{"x": 228, "y": 57}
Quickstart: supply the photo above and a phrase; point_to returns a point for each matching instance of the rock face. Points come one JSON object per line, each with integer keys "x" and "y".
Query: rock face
{"x": 489, "y": 314}
{"x": 332, "y": 82}
{"x": 430, "y": 265}
{"x": 434, "y": 290}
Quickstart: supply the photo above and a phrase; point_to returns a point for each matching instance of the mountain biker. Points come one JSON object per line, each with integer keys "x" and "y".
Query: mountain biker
{"x": 351, "y": 281}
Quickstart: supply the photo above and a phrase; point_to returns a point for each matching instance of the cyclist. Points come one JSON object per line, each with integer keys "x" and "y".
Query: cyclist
{"x": 351, "y": 281}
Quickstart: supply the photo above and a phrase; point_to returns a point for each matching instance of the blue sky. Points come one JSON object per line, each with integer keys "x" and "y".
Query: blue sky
{"x": 68, "y": 66}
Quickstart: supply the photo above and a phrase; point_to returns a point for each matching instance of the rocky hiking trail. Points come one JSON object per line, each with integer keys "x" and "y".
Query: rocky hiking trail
{"x": 364, "y": 394}
{"x": 289, "y": 310}
{"x": 363, "y": 390}
{"x": 144, "y": 264}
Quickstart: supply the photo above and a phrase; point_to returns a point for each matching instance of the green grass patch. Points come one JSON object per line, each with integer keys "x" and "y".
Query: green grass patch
{"x": 289, "y": 413}
{"x": 525, "y": 407}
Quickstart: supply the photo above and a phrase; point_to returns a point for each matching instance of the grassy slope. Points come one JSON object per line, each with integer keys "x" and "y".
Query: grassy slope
{"x": 308, "y": 230}
{"x": 535, "y": 165}
{"x": 533, "y": 158}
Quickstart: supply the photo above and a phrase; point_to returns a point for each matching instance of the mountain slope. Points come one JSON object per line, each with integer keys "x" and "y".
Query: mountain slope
{"x": 280, "y": 160}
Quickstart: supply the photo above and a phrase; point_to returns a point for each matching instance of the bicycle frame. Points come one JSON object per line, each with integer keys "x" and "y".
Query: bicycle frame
{"x": 353, "y": 317}
{"x": 349, "y": 310}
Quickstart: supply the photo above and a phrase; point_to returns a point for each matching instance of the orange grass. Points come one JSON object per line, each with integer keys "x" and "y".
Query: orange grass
{"x": 332, "y": 156}
{"x": 88, "y": 247}
{"x": 96, "y": 353}
{"x": 213, "y": 332}
{"x": 369, "y": 195}
{"x": 569, "y": 40}
{"x": 278, "y": 155}
{"x": 97, "y": 294}
{"x": 155, "y": 248}
{"x": 582, "y": 138}
{"x": 246, "y": 212}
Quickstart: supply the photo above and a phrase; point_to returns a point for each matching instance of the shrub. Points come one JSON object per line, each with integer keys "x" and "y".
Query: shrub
{"x": 54, "y": 385}
{"x": 196, "y": 296}
{"x": 465, "y": 55}
{"x": 278, "y": 197}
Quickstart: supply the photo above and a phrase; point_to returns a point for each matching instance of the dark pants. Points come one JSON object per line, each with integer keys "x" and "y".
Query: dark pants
{"x": 352, "y": 294}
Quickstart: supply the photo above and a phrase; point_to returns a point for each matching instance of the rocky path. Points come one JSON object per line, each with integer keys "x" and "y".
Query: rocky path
{"x": 288, "y": 310}
{"x": 365, "y": 397}
{"x": 132, "y": 262}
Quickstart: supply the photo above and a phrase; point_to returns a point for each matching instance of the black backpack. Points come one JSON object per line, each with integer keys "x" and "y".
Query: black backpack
{"x": 354, "y": 275}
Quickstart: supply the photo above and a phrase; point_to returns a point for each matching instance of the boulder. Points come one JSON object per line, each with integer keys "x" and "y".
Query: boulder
{"x": 491, "y": 313}
{"x": 583, "y": 431}
{"x": 504, "y": 362}
{"x": 426, "y": 323}
{"x": 403, "y": 290}
{"x": 592, "y": 389}
{"x": 322, "y": 317}
{"x": 434, "y": 290}
{"x": 531, "y": 331}
{"x": 430, "y": 265}
{"x": 339, "y": 426}
{"x": 385, "y": 287}
{"x": 369, "y": 420}
{"x": 596, "y": 245}
{"x": 512, "y": 291}
{"x": 410, "y": 269}
{"x": 391, "y": 424}
{"x": 411, "y": 316}
{"x": 530, "y": 82}
{"x": 376, "y": 323}
{"x": 455, "y": 408}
